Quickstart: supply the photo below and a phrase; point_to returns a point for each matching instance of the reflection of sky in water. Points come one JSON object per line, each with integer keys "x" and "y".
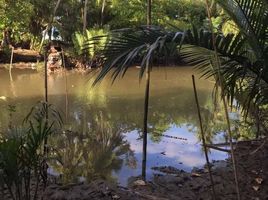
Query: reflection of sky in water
{"x": 182, "y": 154}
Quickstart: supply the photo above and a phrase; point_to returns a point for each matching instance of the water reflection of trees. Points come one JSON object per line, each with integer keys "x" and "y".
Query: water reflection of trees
{"x": 214, "y": 122}
{"x": 94, "y": 153}
{"x": 167, "y": 109}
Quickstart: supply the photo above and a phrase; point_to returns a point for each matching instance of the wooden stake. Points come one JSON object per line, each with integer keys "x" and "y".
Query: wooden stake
{"x": 10, "y": 65}
{"x": 203, "y": 139}
{"x": 45, "y": 141}
{"x": 46, "y": 88}
{"x": 146, "y": 101}
{"x": 145, "y": 122}
{"x": 218, "y": 65}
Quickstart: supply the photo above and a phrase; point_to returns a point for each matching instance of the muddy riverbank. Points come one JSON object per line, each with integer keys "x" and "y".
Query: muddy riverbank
{"x": 176, "y": 184}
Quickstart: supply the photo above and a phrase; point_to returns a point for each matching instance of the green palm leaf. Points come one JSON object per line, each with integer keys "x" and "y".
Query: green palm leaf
{"x": 127, "y": 46}
{"x": 251, "y": 16}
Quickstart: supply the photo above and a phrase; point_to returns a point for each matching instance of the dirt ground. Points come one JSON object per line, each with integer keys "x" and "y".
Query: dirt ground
{"x": 252, "y": 170}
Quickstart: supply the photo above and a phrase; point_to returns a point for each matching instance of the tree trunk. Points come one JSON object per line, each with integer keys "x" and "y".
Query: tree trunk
{"x": 149, "y": 12}
{"x": 85, "y": 17}
{"x": 213, "y": 8}
{"x": 6, "y": 38}
{"x": 102, "y": 11}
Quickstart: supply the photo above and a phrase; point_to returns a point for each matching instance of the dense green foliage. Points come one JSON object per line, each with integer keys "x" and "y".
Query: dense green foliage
{"x": 243, "y": 57}
{"x": 26, "y": 20}
{"x": 79, "y": 40}
{"x": 21, "y": 152}
{"x": 129, "y": 13}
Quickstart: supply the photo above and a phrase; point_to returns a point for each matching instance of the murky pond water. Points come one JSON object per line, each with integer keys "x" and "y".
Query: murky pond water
{"x": 106, "y": 121}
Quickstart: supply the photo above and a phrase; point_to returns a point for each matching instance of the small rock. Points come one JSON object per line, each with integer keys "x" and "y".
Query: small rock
{"x": 115, "y": 196}
{"x": 254, "y": 172}
{"x": 195, "y": 175}
{"x": 139, "y": 183}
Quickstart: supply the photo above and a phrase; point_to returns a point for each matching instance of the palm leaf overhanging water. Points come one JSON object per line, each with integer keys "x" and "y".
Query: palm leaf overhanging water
{"x": 243, "y": 57}
{"x": 127, "y": 46}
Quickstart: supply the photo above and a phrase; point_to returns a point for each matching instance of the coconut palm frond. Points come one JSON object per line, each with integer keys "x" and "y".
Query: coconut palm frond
{"x": 127, "y": 46}
{"x": 251, "y": 16}
{"x": 236, "y": 67}
{"x": 243, "y": 57}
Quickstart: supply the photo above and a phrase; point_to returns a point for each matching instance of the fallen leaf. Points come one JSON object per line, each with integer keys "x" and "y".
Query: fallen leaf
{"x": 259, "y": 180}
{"x": 256, "y": 188}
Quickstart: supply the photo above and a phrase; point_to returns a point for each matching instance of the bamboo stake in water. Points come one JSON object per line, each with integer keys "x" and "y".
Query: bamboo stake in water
{"x": 218, "y": 65}
{"x": 145, "y": 122}
{"x": 66, "y": 88}
{"x": 10, "y": 65}
{"x": 46, "y": 92}
{"x": 46, "y": 88}
{"x": 146, "y": 101}
{"x": 46, "y": 102}
{"x": 203, "y": 139}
